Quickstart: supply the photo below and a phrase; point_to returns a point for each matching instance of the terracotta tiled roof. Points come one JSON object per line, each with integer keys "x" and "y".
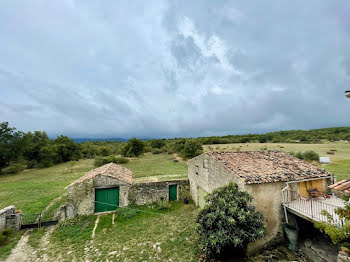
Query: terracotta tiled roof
{"x": 112, "y": 170}
{"x": 257, "y": 167}
{"x": 343, "y": 185}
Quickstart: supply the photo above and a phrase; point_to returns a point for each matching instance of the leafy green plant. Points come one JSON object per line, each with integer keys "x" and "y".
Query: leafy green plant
{"x": 162, "y": 205}
{"x": 338, "y": 235}
{"x": 100, "y": 161}
{"x": 156, "y": 151}
{"x": 5, "y": 235}
{"x": 133, "y": 148}
{"x": 228, "y": 222}
{"x": 192, "y": 148}
{"x": 126, "y": 212}
{"x": 13, "y": 169}
{"x": 311, "y": 155}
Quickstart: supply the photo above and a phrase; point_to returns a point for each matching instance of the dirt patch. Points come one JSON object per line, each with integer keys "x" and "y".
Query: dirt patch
{"x": 22, "y": 251}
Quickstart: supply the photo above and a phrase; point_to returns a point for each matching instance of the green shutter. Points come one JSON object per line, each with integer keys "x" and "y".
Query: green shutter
{"x": 173, "y": 192}
{"x": 107, "y": 199}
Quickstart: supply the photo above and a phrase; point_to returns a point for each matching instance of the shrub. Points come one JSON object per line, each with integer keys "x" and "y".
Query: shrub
{"x": 133, "y": 148}
{"x": 262, "y": 139}
{"x": 13, "y": 169}
{"x": 311, "y": 155}
{"x": 156, "y": 151}
{"x": 121, "y": 160}
{"x": 100, "y": 161}
{"x": 162, "y": 205}
{"x": 192, "y": 148}
{"x": 228, "y": 222}
{"x": 126, "y": 212}
{"x": 5, "y": 235}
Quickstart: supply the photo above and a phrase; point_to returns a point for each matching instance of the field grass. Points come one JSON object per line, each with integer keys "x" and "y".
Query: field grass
{"x": 155, "y": 165}
{"x": 6, "y": 248}
{"x": 151, "y": 235}
{"x": 340, "y": 161}
{"x": 32, "y": 190}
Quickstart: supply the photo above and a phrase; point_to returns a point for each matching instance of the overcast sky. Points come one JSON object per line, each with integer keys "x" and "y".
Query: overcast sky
{"x": 173, "y": 68}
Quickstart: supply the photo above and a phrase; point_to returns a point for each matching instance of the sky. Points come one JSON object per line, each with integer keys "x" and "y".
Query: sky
{"x": 173, "y": 68}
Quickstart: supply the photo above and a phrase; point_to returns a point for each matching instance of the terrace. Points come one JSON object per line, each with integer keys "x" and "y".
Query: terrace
{"x": 312, "y": 209}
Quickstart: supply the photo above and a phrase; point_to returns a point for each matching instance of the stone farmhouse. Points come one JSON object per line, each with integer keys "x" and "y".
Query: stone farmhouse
{"x": 111, "y": 186}
{"x": 266, "y": 175}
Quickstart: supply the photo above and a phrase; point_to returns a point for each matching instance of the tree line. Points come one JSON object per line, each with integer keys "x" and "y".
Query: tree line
{"x": 19, "y": 150}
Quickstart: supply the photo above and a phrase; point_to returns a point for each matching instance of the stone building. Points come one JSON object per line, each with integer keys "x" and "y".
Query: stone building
{"x": 111, "y": 186}
{"x": 263, "y": 174}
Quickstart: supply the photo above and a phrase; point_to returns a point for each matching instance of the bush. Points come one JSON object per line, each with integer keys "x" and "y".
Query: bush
{"x": 192, "y": 148}
{"x": 156, "y": 151}
{"x": 5, "y": 235}
{"x": 311, "y": 155}
{"x": 162, "y": 205}
{"x": 13, "y": 169}
{"x": 228, "y": 222}
{"x": 121, "y": 160}
{"x": 262, "y": 139}
{"x": 100, "y": 161}
{"x": 126, "y": 212}
{"x": 133, "y": 148}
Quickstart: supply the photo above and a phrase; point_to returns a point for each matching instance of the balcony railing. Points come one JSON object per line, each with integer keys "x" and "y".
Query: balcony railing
{"x": 312, "y": 208}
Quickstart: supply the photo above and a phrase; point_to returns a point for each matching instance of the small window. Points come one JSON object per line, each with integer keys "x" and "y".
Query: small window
{"x": 206, "y": 164}
{"x": 196, "y": 170}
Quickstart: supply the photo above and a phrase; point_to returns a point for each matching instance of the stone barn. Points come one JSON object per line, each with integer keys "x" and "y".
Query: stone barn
{"x": 263, "y": 174}
{"x": 111, "y": 186}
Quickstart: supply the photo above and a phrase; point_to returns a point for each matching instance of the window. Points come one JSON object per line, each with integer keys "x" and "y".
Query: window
{"x": 196, "y": 170}
{"x": 206, "y": 164}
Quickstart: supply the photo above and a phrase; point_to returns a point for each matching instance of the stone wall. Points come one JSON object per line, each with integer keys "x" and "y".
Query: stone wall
{"x": 207, "y": 179}
{"x": 267, "y": 196}
{"x": 145, "y": 193}
{"x": 10, "y": 219}
{"x": 81, "y": 196}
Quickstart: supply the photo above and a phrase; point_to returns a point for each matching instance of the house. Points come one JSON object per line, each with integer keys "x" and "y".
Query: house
{"x": 341, "y": 188}
{"x": 110, "y": 186}
{"x": 263, "y": 174}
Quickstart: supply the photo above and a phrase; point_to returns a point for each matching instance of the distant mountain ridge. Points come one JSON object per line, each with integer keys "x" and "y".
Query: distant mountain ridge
{"x": 82, "y": 140}
{"x": 311, "y": 135}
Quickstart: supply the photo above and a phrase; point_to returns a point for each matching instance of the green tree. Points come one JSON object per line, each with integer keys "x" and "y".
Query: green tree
{"x": 228, "y": 222}
{"x": 11, "y": 144}
{"x": 262, "y": 139}
{"x": 192, "y": 148}
{"x": 66, "y": 149}
{"x": 33, "y": 142}
{"x": 157, "y": 143}
{"x": 311, "y": 155}
{"x": 133, "y": 148}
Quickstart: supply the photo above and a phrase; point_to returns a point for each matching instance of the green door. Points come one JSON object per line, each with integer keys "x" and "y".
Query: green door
{"x": 173, "y": 192}
{"x": 107, "y": 199}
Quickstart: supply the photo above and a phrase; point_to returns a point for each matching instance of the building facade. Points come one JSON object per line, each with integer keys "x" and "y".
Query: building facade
{"x": 111, "y": 186}
{"x": 262, "y": 174}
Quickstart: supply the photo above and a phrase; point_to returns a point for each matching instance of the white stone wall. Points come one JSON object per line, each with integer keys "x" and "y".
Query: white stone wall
{"x": 9, "y": 219}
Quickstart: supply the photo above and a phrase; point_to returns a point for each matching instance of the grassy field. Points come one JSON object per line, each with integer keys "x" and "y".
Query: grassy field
{"x": 340, "y": 161}
{"x": 32, "y": 190}
{"x": 152, "y": 235}
{"x": 155, "y": 165}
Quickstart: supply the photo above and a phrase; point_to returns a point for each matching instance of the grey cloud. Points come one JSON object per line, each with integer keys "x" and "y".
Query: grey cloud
{"x": 173, "y": 68}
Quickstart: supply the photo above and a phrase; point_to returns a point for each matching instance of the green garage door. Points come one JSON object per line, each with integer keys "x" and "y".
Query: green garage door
{"x": 107, "y": 199}
{"x": 173, "y": 192}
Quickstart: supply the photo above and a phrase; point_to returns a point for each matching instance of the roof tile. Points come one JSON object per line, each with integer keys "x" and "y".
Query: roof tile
{"x": 257, "y": 167}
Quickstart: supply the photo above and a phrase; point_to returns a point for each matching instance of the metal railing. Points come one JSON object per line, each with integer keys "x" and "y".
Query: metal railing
{"x": 312, "y": 208}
